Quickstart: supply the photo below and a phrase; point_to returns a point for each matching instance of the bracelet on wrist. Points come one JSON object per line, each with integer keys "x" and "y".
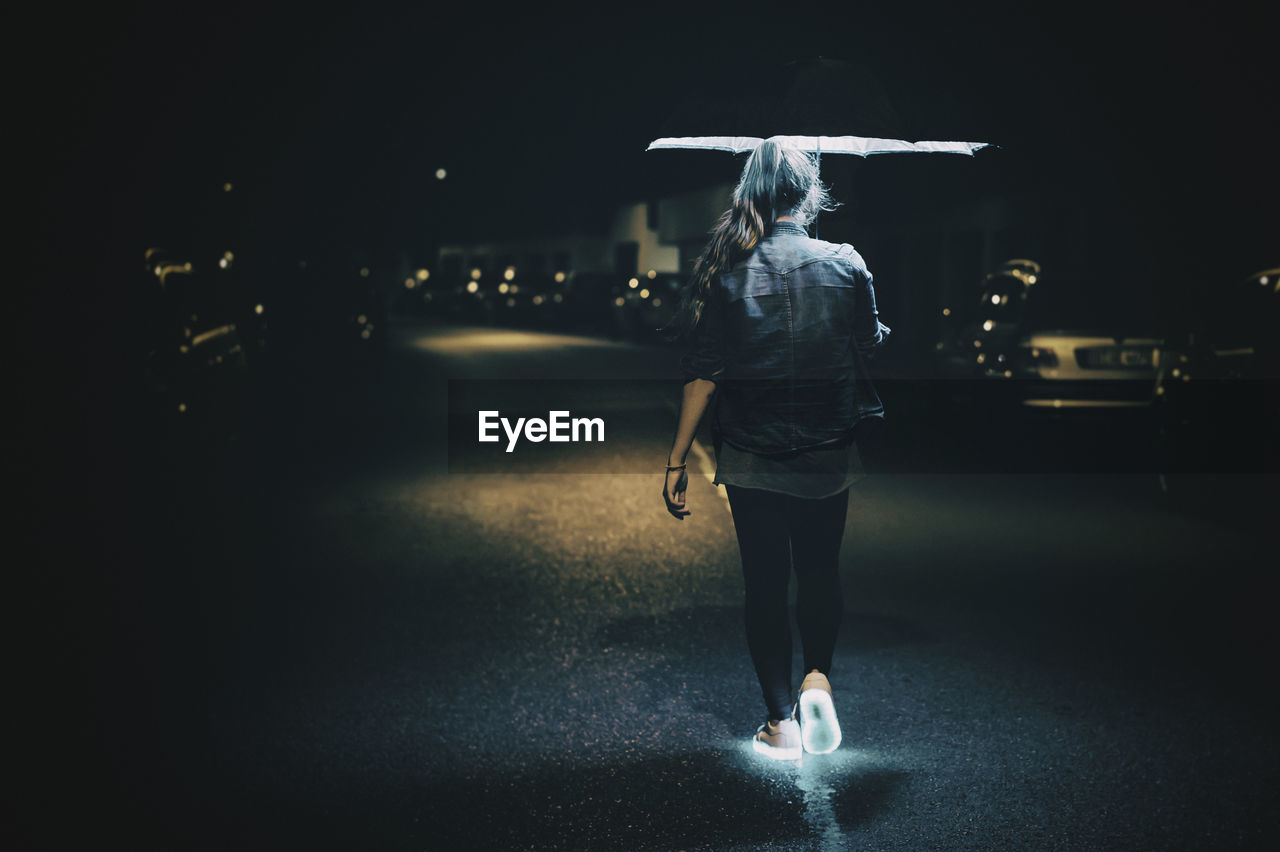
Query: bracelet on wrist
{"x": 677, "y": 466}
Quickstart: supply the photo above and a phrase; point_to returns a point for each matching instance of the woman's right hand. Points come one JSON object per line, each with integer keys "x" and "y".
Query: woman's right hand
{"x": 674, "y": 493}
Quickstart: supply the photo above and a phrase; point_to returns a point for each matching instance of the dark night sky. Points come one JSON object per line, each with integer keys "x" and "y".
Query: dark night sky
{"x": 334, "y": 119}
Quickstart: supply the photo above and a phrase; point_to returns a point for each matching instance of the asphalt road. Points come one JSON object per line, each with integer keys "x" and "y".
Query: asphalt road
{"x": 337, "y": 634}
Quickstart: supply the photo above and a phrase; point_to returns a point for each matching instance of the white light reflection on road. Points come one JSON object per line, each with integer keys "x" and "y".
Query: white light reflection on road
{"x": 815, "y": 779}
{"x": 813, "y": 782}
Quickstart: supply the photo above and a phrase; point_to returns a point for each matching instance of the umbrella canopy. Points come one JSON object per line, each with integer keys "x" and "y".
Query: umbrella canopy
{"x": 862, "y": 146}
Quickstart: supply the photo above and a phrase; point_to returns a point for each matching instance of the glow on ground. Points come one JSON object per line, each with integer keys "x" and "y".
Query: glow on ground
{"x": 463, "y": 341}
{"x": 1085, "y": 403}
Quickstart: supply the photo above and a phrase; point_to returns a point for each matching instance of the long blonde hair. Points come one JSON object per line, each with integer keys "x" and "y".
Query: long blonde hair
{"x": 776, "y": 181}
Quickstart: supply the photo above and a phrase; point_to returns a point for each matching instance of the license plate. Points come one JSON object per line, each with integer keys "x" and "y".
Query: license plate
{"x": 1135, "y": 357}
{"x": 1116, "y": 358}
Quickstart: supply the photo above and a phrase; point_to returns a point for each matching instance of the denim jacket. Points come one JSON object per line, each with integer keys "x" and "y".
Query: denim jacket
{"x": 786, "y": 335}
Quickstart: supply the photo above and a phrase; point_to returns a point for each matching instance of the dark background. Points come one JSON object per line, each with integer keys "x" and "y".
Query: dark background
{"x": 337, "y": 117}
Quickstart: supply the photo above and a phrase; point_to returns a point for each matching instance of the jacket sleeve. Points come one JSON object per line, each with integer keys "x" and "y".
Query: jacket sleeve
{"x": 869, "y": 334}
{"x": 704, "y": 357}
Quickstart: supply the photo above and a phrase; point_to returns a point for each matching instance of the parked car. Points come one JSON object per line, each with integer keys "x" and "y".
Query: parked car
{"x": 1063, "y": 373}
{"x": 1086, "y": 368}
{"x": 1029, "y": 340}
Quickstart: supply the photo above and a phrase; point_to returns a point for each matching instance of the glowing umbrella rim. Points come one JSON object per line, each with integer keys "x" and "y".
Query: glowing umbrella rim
{"x": 861, "y": 146}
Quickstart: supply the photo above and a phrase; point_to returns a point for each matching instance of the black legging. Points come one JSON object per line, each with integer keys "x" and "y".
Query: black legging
{"x": 766, "y": 522}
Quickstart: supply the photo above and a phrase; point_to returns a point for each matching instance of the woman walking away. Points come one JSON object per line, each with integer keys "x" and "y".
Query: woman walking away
{"x": 779, "y": 329}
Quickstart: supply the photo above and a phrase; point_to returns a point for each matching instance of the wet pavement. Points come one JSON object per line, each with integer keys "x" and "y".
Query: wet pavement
{"x": 328, "y": 640}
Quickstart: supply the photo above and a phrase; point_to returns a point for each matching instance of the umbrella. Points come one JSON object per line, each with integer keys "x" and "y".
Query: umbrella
{"x": 818, "y": 105}
{"x": 831, "y": 106}
{"x": 860, "y": 145}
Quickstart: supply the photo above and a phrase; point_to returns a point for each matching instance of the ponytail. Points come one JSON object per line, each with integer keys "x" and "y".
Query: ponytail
{"x": 734, "y": 235}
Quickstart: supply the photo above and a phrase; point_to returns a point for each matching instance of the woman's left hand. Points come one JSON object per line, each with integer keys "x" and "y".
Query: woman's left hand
{"x": 674, "y": 493}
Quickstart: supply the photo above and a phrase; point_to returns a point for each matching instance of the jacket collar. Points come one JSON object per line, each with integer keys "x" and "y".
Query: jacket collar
{"x": 789, "y": 228}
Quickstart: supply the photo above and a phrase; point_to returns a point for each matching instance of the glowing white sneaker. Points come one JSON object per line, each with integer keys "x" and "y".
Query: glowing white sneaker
{"x": 819, "y": 728}
{"x": 778, "y": 740}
